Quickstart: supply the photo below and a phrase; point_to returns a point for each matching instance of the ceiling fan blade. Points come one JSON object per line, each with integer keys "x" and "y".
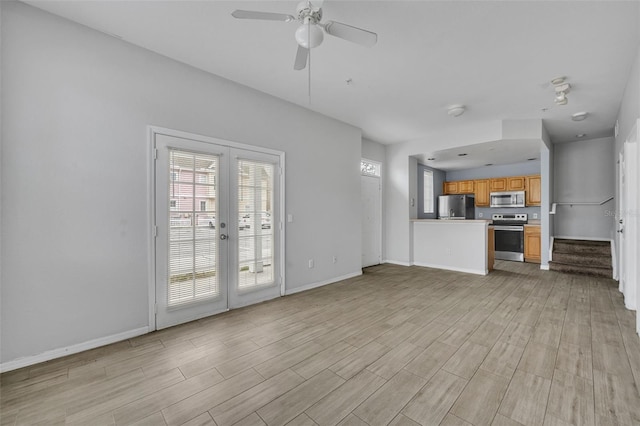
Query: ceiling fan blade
{"x": 301, "y": 58}
{"x": 353, "y": 34}
{"x": 268, "y": 16}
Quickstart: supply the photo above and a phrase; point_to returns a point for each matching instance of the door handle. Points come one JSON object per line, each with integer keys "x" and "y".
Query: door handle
{"x": 223, "y": 236}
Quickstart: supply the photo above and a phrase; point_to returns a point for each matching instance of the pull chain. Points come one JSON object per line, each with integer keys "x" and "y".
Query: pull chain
{"x": 309, "y": 70}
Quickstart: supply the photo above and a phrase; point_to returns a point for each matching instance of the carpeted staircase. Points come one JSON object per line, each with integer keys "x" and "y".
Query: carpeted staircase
{"x": 582, "y": 257}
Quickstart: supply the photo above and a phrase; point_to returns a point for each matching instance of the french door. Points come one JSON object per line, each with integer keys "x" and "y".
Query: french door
{"x": 217, "y": 216}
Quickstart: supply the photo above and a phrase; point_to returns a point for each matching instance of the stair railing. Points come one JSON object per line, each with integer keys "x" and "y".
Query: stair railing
{"x": 578, "y": 203}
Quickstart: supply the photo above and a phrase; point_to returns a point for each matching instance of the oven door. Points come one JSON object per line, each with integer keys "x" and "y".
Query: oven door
{"x": 509, "y": 242}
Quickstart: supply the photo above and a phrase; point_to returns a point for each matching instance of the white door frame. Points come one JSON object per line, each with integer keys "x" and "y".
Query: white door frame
{"x": 152, "y": 131}
{"x": 379, "y": 203}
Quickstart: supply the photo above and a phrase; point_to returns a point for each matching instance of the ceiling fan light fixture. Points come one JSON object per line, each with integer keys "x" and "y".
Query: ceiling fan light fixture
{"x": 309, "y": 35}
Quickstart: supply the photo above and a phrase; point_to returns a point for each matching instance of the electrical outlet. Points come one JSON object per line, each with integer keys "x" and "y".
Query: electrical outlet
{"x": 289, "y": 218}
{"x": 310, "y": 263}
{"x": 335, "y": 259}
{"x": 535, "y": 215}
{"x": 480, "y": 214}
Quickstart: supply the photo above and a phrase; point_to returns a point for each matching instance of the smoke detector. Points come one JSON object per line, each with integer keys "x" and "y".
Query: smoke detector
{"x": 579, "y": 116}
{"x": 456, "y": 110}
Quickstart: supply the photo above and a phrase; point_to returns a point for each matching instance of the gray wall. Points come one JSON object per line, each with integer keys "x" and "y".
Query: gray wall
{"x": 373, "y": 150}
{"x": 438, "y": 179}
{"x": 584, "y": 172}
{"x": 75, "y": 224}
{"x": 517, "y": 169}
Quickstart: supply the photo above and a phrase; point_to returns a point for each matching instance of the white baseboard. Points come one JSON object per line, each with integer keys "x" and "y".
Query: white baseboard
{"x": 544, "y": 267}
{"x": 321, "y": 283}
{"x": 396, "y": 262}
{"x": 453, "y": 268}
{"x": 69, "y": 350}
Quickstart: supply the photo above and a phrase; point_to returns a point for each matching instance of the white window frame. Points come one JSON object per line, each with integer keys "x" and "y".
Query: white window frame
{"x": 428, "y": 208}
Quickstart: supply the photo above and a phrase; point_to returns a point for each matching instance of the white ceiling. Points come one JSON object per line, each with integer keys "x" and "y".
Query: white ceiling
{"x": 495, "y": 57}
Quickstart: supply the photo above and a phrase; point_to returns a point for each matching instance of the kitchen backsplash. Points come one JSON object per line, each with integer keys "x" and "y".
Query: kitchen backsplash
{"x": 488, "y": 211}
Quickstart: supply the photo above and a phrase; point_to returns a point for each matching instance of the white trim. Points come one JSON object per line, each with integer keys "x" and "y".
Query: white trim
{"x": 551, "y": 250}
{"x": 323, "y": 283}
{"x": 397, "y": 262}
{"x": 544, "y": 267}
{"x": 69, "y": 350}
{"x": 452, "y": 268}
{"x": 614, "y": 262}
{"x": 151, "y": 237}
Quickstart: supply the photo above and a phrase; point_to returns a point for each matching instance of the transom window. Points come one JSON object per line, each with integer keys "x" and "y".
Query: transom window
{"x": 369, "y": 168}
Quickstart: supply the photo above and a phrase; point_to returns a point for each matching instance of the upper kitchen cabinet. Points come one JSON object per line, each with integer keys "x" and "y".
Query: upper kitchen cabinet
{"x": 511, "y": 183}
{"x": 481, "y": 187}
{"x": 449, "y": 188}
{"x": 458, "y": 187}
{"x": 465, "y": 187}
{"x": 533, "y": 190}
{"x": 516, "y": 183}
{"x": 498, "y": 184}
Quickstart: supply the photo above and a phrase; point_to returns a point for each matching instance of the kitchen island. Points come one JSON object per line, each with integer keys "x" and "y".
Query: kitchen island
{"x": 455, "y": 245}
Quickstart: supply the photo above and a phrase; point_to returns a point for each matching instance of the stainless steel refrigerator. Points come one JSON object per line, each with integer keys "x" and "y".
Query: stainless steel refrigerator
{"x": 456, "y": 207}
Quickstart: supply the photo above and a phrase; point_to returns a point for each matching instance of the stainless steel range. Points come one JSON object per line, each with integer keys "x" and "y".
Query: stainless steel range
{"x": 509, "y": 235}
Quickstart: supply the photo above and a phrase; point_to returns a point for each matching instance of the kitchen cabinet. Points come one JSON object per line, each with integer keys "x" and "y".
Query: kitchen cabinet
{"x": 465, "y": 187}
{"x": 481, "y": 190}
{"x": 516, "y": 183}
{"x": 450, "y": 188}
{"x": 458, "y": 187}
{"x": 533, "y": 190}
{"x": 498, "y": 184}
{"x": 532, "y": 243}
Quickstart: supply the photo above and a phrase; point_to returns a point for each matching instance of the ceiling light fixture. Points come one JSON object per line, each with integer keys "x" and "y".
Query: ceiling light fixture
{"x": 309, "y": 34}
{"x": 579, "y": 116}
{"x": 462, "y": 155}
{"x": 530, "y": 159}
{"x": 489, "y": 164}
{"x": 580, "y": 135}
{"x": 430, "y": 159}
{"x": 562, "y": 88}
{"x": 456, "y": 110}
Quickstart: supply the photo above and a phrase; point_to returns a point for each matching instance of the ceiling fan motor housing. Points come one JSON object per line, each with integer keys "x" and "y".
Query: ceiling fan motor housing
{"x": 306, "y": 10}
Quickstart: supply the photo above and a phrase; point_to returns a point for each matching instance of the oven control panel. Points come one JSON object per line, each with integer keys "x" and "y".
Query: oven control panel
{"x": 510, "y": 217}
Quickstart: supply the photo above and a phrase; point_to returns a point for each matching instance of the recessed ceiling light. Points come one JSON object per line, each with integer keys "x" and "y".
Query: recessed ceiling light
{"x": 579, "y": 116}
{"x": 430, "y": 159}
{"x": 580, "y": 135}
{"x": 461, "y": 155}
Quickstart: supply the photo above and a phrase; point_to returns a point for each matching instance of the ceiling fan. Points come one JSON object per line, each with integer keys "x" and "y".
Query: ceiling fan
{"x": 311, "y": 31}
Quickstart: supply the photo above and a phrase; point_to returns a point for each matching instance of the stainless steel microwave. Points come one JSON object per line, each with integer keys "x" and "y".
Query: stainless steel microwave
{"x": 507, "y": 199}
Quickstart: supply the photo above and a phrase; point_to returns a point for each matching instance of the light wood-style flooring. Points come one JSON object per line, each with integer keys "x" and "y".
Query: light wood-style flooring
{"x": 395, "y": 346}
